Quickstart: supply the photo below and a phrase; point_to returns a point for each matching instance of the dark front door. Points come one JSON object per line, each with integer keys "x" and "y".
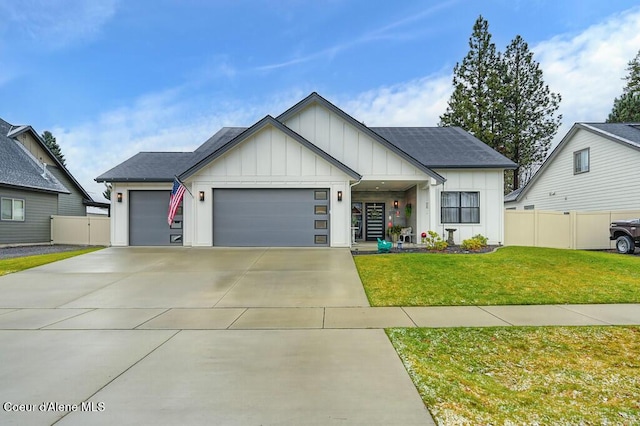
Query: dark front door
{"x": 374, "y": 221}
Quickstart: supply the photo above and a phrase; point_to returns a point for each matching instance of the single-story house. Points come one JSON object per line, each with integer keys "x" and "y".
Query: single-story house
{"x": 585, "y": 172}
{"x": 312, "y": 176}
{"x": 34, "y": 185}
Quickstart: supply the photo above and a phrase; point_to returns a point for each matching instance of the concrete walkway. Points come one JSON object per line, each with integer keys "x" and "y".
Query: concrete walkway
{"x": 315, "y": 318}
{"x": 212, "y": 336}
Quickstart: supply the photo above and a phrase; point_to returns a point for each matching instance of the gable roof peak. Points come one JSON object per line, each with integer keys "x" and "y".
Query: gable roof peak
{"x": 259, "y": 125}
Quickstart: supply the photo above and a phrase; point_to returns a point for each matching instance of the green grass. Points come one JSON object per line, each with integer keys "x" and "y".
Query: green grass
{"x": 8, "y": 266}
{"x": 509, "y": 276}
{"x": 525, "y": 375}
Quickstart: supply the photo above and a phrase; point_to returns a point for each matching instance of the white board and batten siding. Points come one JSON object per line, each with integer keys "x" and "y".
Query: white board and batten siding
{"x": 268, "y": 159}
{"x": 351, "y": 146}
{"x": 489, "y": 184}
{"x": 610, "y": 183}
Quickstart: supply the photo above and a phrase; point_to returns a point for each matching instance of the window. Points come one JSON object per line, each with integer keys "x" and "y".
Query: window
{"x": 320, "y": 239}
{"x": 320, "y": 209}
{"x": 581, "y": 161}
{"x": 12, "y": 209}
{"x": 320, "y": 195}
{"x": 460, "y": 207}
{"x": 320, "y": 224}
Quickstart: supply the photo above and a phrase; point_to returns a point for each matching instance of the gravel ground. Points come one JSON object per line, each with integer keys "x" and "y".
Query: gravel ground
{"x": 21, "y": 251}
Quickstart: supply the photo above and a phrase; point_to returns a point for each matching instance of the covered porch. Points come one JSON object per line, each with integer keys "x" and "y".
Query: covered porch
{"x": 377, "y": 205}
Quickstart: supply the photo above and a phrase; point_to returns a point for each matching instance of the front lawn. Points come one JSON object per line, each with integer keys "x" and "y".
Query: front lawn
{"x": 17, "y": 264}
{"x": 510, "y": 276}
{"x": 525, "y": 375}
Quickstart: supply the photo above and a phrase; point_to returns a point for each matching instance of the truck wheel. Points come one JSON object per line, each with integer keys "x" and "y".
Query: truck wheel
{"x": 625, "y": 245}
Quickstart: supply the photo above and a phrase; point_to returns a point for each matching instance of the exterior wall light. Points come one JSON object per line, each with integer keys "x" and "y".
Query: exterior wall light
{"x": 339, "y": 195}
{"x": 395, "y": 204}
{"x": 201, "y": 195}
{"x": 119, "y": 197}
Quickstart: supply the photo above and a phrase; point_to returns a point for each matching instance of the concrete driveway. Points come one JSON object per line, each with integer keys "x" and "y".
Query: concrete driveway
{"x": 196, "y": 336}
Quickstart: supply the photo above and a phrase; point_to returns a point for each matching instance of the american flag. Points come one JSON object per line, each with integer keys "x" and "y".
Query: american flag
{"x": 176, "y": 196}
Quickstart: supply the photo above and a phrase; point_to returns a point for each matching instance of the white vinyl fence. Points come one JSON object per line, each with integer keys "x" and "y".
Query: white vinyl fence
{"x": 572, "y": 230}
{"x": 82, "y": 230}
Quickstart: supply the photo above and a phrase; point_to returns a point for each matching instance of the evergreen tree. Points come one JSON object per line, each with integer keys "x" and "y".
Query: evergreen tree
{"x": 50, "y": 142}
{"x": 529, "y": 120}
{"x": 107, "y": 192}
{"x": 626, "y": 108}
{"x": 473, "y": 104}
{"x": 503, "y": 101}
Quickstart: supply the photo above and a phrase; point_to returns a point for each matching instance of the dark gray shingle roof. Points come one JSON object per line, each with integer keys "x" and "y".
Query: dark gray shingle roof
{"x": 149, "y": 167}
{"x": 427, "y": 147}
{"x": 20, "y": 169}
{"x": 444, "y": 147}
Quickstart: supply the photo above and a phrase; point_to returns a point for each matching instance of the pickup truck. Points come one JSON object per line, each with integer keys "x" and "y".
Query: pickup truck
{"x": 626, "y": 233}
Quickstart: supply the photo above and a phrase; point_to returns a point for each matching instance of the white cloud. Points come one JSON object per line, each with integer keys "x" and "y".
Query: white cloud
{"x": 168, "y": 121}
{"x": 395, "y": 30}
{"x": 418, "y": 102}
{"x": 57, "y": 24}
{"x": 587, "y": 68}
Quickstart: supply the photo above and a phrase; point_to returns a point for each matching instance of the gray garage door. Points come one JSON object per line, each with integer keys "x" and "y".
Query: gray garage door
{"x": 148, "y": 220}
{"x": 271, "y": 217}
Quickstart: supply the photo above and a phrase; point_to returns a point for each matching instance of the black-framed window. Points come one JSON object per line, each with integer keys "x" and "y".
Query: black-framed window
{"x": 460, "y": 207}
{"x": 12, "y": 209}
{"x": 581, "y": 161}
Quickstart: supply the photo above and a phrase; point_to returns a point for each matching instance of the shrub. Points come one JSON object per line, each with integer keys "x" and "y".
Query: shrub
{"x": 483, "y": 240}
{"x": 475, "y": 243}
{"x": 433, "y": 241}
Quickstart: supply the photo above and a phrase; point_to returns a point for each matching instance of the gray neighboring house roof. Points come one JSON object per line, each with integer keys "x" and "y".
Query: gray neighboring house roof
{"x": 424, "y": 147}
{"x": 19, "y": 168}
{"x": 628, "y": 133}
{"x": 624, "y": 133}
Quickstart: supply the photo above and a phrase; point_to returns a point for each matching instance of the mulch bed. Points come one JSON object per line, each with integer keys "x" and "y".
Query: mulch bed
{"x": 448, "y": 250}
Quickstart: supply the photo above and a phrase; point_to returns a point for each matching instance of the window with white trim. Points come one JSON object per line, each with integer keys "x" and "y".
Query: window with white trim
{"x": 581, "y": 161}
{"x": 460, "y": 207}
{"x": 12, "y": 209}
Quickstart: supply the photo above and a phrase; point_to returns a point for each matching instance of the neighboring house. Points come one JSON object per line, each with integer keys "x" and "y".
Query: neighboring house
{"x": 313, "y": 176}
{"x": 587, "y": 171}
{"x": 34, "y": 185}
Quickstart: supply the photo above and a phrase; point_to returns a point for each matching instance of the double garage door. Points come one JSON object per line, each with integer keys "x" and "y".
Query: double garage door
{"x": 241, "y": 218}
{"x": 270, "y": 217}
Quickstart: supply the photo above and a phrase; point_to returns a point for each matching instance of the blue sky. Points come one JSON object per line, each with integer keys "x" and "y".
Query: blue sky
{"x": 111, "y": 78}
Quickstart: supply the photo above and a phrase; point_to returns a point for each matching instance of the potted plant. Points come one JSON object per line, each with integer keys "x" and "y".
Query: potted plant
{"x": 407, "y": 210}
{"x": 394, "y": 232}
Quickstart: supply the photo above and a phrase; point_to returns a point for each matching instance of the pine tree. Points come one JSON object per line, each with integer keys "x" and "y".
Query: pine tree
{"x": 503, "y": 101}
{"x": 50, "y": 142}
{"x": 107, "y": 192}
{"x": 626, "y": 108}
{"x": 473, "y": 104}
{"x": 530, "y": 120}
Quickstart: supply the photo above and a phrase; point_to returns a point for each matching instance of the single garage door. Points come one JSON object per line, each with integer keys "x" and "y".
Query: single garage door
{"x": 271, "y": 217}
{"x": 148, "y": 220}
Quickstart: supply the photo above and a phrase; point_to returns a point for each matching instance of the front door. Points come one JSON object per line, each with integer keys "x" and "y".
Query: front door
{"x": 374, "y": 221}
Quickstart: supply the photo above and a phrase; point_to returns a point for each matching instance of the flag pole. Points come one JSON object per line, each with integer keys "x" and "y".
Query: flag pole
{"x": 185, "y": 186}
